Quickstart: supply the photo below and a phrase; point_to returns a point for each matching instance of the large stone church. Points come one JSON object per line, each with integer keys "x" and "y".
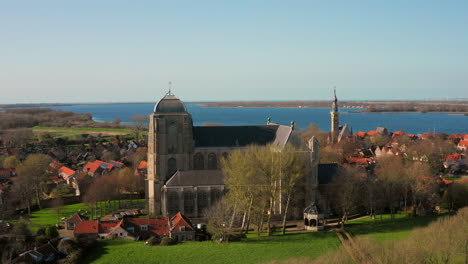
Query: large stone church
{"x": 184, "y": 160}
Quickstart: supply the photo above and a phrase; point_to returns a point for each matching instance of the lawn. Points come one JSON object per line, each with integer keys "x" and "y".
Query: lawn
{"x": 50, "y": 216}
{"x": 252, "y": 250}
{"x": 399, "y": 228}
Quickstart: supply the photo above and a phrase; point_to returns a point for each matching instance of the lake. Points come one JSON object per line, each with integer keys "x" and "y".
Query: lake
{"x": 413, "y": 123}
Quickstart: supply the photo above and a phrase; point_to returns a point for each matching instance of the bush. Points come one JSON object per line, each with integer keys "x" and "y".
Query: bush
{"x": 67, "y": 246}
{"x": 152, "y": 241}
{"x": 167, "y": 241}
{"x": 51, "y": 232}
{"x": 41, "y": 240}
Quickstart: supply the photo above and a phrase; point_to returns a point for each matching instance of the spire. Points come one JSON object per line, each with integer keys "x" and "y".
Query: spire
{"x": 335, "y": 101}
{"x": 169, "y": 92}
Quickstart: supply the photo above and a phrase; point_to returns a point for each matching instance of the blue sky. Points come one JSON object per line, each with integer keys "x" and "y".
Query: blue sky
{"x": 114, "y": 51}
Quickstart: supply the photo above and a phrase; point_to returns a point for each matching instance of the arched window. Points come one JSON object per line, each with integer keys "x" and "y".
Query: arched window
{"x": 188, "y": 202}
{"x": 198, "y": 161}
{"x": 202, "y": 202}
{"x": 172, "y": 138}
{"x": 171, "y": 167}
{"x": 212, "y": 161}
{"x": 172, "y": 203}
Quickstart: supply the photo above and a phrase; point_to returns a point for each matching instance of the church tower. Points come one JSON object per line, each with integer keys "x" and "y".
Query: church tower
{"x": 170, "y": 146}
{"x": 335, "y": 123}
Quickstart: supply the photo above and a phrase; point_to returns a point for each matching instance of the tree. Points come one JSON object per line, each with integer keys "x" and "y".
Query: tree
{"x": 345, "y": 191}
{"x": 314, "y": 131}
{"x": 139, "y": 123}
{"x": 257, "y": 178}
{"x": 11, "y": 162}
{"x": 389, "y": 172}
{"x": 34, "y": 172}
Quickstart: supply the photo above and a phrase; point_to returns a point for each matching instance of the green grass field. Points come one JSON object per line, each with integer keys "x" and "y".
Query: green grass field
{"x": 387, "y": 229}
{"x": 252, "y": 250}
{"x": 74, "y": 132}
{"x": 51, "y": 216}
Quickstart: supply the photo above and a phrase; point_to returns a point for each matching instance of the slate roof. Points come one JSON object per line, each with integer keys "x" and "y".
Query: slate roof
{"x": 326, "y": 172}
{"x": 196, "y": 178}
{"x": 233, "y": 136}
{"x": 170, "y": 104}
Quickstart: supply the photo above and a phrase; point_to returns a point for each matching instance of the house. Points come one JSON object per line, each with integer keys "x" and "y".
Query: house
{"x": 55, "y": 165}
{"x": 73, "y": 221}
{"x": 454, "y": 161}
{"x": 66, "y": 173}
{"x": 181, "y": 228}
{"x": 91, "y": 230}
{"x": 144, "y": 228}
{"x": 94, "y": 168}
{"x": 7, "y": 173}
{"x": 44, "y": 253}
{"x": 117, "y": 164}
{"x": 462, "y": 145}
{"x": 373, "y": 133}
{"x": 381, "y": 130}
{"x": 142, "y": 168}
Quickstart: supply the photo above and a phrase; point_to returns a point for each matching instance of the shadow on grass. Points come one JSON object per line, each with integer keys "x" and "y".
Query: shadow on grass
{"x": 288, "y": 237}
{"x": 391, "y": 226}
{"x": 95, "y": 252}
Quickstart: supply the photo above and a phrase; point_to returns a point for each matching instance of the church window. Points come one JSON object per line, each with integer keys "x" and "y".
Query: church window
{"x": 202, "y": 201}
{"x": 212, "y": 161}
{"x": 198, "y": 161}
{"x": 171, "y": 167}
{"x": 172, "y": 136}
{"x": 173, "y": 203}
{"x": 188, "y": 202}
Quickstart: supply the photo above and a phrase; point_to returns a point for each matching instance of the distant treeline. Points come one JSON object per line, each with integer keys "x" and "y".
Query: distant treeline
{"x": 30, "y": 117}
{"x": 368, "y": 106}
{"x": 422, "y": 108}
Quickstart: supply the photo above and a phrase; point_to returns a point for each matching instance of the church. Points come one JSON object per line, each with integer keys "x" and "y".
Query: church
{"x": 184, "y": 171}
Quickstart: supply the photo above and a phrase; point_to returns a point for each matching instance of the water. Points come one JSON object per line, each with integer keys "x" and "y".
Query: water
{"x": 413, "y": 123}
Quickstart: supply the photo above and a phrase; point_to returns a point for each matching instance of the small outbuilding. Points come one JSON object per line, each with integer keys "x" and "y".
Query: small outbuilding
{"x": 313, "y": 218}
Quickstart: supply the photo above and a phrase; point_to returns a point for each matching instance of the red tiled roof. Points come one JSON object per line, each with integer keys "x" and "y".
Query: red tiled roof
{"x": 108, "y": 226}
{"x": 87, "y": 227}
{"x": 157, "y": 226}
{"x": 55, "y": 165}
{"x": 463, "y": 143}
{"x": 67, "y": 171}
{"x": 362, "y": 161}
{"x": 455, "y": 136}
{"x": 398, "y": 133}
{"x": 454, "y": 157}
{"x": 426, "y": 135}
{"x": 93, "y": 166}
{"x": 447, "y": 181}
{"x": 178, "y": 221}
{"x": 361, "y": 134}
{"x": 372, "y": 133}
{"x": 76, "y": 218}
{"x": 143, "y": 165}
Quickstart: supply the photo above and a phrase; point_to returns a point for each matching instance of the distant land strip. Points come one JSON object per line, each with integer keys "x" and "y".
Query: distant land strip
{"x": 455, "y": 106}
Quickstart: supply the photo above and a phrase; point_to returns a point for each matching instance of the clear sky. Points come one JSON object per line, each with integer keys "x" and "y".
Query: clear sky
{"x": 114, "y": 51}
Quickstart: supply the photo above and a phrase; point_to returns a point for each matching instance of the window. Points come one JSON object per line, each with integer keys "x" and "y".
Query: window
{"x": 171, "y": 167}
{"x": 131, "y": 229}
{"x": 182, "y": 228}
{"x": 144, "y": 227}
{"x": 212, "y": 161}
{"x": 202, "y": 201}
{"x": 198, "y": 161}
{"x": 215, "y": 196}
{"x": 173, "y": 203}
{"x": 188, "y": 202}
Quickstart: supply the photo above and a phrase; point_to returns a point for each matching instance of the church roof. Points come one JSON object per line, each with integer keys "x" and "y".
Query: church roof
{"x": 170, "y": 104}
{"x": 235, "y": 136}
{"x": 196, "y": 178}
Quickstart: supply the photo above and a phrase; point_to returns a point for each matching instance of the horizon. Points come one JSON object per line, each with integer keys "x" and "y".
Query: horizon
{"x": 64, "y": 52}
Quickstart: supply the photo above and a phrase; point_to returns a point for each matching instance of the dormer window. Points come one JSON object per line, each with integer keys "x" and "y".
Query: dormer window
{"x": 144, "y": 227}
